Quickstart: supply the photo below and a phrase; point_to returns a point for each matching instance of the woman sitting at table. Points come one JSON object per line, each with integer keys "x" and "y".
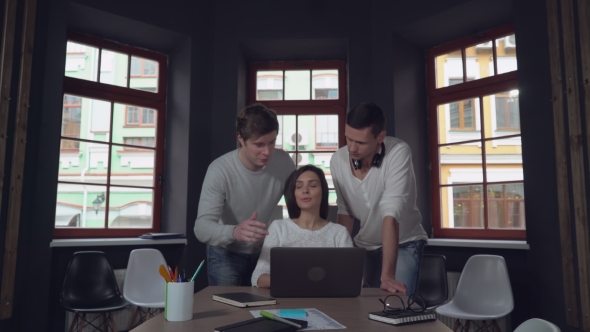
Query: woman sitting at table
{"x": 306, "y": 194}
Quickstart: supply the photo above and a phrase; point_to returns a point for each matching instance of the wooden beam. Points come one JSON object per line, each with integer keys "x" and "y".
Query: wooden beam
{"x": 572, "y": 91}
{"x": 584, "y": 42}
{"x": 584, "y": 28}
{"x": 18, "y": 162}
{"x": 5, "y": 80}
{"x": 563, "y": 196}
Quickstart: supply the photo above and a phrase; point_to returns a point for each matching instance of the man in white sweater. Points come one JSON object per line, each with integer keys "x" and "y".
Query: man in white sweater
{"x": 240, "y": 191}
{"x": 374, "y": 180}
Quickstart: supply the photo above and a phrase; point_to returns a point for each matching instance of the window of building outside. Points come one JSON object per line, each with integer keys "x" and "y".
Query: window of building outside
{"x": 475, "y": 139}
{"x": 112, "y": 135}
{"x": 310, "y": 100}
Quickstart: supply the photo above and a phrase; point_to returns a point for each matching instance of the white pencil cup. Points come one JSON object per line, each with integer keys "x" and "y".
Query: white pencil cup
{"x": 179, "y": 301}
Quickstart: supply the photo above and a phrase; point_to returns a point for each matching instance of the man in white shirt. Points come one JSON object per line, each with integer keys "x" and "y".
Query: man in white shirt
{"x": 374, "y": 179}
{"x": 239, "y": 194}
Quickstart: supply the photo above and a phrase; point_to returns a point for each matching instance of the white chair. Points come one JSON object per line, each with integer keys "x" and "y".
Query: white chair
{"x": 483, "y": 293}
{"x": 537, "y": 325}
{"x": 144, "y": 287}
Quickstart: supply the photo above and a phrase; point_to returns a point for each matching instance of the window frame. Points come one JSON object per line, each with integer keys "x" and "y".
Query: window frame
{"x": 469, "y": 89}
{"x": 128, "y": 96}
{"x": 306, "y": 107}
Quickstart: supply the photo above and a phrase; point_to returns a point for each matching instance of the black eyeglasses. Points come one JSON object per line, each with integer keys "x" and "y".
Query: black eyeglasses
{"x": 394, "y": 304}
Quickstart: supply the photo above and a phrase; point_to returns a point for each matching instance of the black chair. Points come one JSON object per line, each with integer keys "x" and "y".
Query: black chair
{"x": 432, "y": 284}
{"x": 90, "y": 287}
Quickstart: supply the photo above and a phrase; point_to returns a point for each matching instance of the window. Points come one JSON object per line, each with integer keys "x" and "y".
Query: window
{"x": 507, "y": 115}
{"x": 462, "y": 115}
{"x": 326, "y": 94}
{"x": 138, "y": 116}
{"x": 326, "y": 131}
{"x": 134, "y": 143}
{"x": 309, "y": 98}
{"x": 143, "y": 67}
{"x": 467, "y": 206}
{"x": 112, "y": 135}
{"x": 72, "y": 107}
{"x": 477, "y": 187}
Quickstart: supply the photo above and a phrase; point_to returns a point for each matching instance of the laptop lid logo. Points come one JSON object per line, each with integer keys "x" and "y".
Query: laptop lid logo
{"x": 316, "y": 274}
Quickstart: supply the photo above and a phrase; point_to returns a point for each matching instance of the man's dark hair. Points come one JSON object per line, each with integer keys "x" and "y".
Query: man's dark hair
{"x": 290, "y": 185}
{"x": 366, "y": 115}
{"x": 256, "y": 120}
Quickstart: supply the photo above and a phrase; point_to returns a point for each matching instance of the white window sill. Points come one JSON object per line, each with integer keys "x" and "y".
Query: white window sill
{"x": 112, "y": 242}
{"x": 497, "y": 244}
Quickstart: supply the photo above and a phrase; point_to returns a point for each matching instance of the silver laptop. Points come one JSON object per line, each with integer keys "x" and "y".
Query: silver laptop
{"x": 316, "y": 272}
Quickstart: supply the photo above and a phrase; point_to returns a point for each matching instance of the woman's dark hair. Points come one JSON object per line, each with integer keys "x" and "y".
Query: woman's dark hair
{"x": 366, "y": 115}
{"x": 290, "y": 185}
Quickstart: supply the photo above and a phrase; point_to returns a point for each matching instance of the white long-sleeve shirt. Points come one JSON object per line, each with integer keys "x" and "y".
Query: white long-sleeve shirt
{"x": 231, "y": 193}
{"x": 389, "y": 190}
{"x": 286, "y": 233}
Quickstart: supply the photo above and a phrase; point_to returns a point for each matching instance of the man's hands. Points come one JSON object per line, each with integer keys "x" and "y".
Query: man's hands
{"x": 250, "y": 230}
{"x": 394, "y": 286}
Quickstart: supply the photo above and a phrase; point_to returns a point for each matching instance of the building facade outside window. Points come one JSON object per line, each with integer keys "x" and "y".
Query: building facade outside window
{"x": 475, "y": 140}
{"x": 112, "y": 136}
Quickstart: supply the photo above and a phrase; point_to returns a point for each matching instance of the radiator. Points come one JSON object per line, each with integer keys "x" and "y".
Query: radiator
{"x": 121, "y": 317}
{"x": 453, "y": 280}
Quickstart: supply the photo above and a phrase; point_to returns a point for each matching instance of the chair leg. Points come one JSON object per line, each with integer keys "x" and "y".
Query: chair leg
{"x": 105, "y": 325}
{"x": 113, "y": 326}
{"x": 467, "y": 325}
{"x": 495, "y": 326}
{"x": 82, "y": 321}
{"x": 74, "y": 322}
{"x": 132, "y": 323}
{"x": 456, "y": 326}
{"x": 484, "y": 326}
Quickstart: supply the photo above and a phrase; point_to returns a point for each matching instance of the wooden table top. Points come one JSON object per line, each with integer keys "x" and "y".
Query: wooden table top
{"x": 350, "y": 312}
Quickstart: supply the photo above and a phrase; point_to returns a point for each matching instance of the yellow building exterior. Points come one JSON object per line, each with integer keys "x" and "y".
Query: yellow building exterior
{"x": 468, "y": 135}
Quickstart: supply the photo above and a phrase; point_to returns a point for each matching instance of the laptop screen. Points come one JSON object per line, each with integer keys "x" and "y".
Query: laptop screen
{"x": 316, "y": 272}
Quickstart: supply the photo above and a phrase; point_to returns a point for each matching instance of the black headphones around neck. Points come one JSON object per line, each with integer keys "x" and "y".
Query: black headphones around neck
{"x": 377, "y": 159}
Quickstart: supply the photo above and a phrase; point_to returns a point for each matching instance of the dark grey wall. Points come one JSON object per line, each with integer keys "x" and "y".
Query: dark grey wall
{"x": 544, "y": 260}
{"x": 237, "y": 34}
{"x": 383, "y": 43}
{"x": 199, "y": 147}
{"x": 410, "y": 105}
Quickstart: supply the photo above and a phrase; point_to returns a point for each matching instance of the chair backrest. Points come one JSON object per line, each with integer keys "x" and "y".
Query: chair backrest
{"x": 89, "y": 279}
{"x": 432, "y": 284}
{"x": 143, "y": 283}
{"x": 484, "y": 286}
{"x": 537, "y": 325}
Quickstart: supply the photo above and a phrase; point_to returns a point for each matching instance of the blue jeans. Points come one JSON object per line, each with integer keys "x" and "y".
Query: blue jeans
{"x": 227, "y": 268}
{"x": 407, "y": 269}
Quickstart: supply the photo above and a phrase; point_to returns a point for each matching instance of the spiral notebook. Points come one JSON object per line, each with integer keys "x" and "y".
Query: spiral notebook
{"x": 405, "y": 318}
{"x": 243, "y": 299}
